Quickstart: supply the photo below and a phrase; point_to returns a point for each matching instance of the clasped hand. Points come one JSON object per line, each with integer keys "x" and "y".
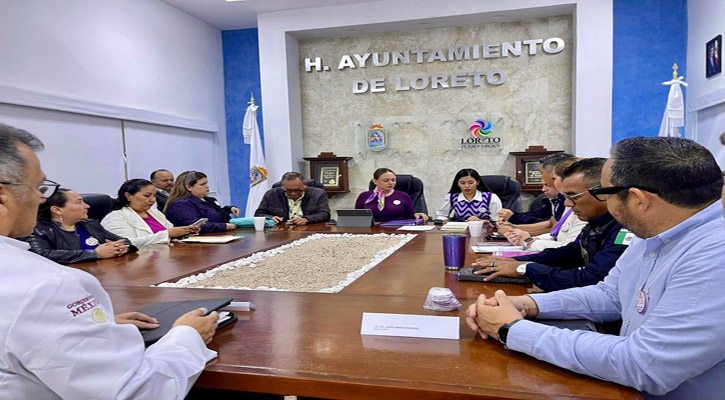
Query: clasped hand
{"x": 487, "y": 315}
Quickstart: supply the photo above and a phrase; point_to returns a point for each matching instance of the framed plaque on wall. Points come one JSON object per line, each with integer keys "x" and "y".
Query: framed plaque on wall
{"x": 527, "y": 168}
{"x": 331, "y": 172}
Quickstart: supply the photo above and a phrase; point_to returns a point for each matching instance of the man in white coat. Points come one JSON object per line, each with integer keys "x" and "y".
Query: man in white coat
{"x": 60, "y": 338}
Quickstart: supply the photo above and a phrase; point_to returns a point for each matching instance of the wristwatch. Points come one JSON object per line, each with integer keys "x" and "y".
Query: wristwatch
{"x": 528, "y": 241}
{"x": 503, "y": 331}
{"x": 521, "y": 269}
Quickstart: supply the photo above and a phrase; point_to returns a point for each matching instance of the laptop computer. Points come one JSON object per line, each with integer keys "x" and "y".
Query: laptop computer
{"x": 355, "y": 218}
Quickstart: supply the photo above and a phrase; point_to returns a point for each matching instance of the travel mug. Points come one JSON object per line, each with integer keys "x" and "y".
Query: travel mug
{"x": 454, "y": 250}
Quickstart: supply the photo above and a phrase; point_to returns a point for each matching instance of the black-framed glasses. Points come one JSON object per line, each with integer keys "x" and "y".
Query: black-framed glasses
{"x": 293, "y": 190}
{"x": 573, "y": 197}
{"x": 597, "y": 191}
{"x": 47, "y": 188}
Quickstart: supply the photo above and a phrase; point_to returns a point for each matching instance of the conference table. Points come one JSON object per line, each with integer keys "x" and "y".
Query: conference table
{"x": 309, "y": 344}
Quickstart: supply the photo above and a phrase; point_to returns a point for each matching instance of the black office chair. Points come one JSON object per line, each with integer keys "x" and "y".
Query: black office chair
{"x": 538, "y": 202}
{"x": 414, "y": 187}
{"x": 308, "y": 182}
{"x": 507, "y": 189}
{"x": 101, "y": 204}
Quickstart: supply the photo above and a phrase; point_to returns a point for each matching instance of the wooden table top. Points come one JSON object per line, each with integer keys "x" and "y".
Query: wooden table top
{"x": 309, "y": 344}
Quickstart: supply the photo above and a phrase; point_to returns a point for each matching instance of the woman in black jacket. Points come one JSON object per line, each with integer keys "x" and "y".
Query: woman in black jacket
{"x": 65, "y": 235}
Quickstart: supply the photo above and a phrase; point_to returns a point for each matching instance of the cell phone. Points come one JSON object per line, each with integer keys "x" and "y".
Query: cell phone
{"x": 200, "y": 222}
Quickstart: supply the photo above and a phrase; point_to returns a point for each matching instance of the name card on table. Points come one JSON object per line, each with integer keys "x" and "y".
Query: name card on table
{"x": 408, "y": 325}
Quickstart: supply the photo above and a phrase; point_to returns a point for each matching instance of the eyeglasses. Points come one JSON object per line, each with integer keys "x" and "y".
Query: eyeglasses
{"x": 294, "y": 190}
{"x": 597, "y": 191}
{"x": 575, "y": 196}
{"x": 47, "y": 188}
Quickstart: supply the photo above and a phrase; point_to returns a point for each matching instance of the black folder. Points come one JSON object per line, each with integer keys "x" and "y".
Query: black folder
{"x": 571, "y": 324}
{"x": 466, "y": 274}
{"x": 168, "y": 312}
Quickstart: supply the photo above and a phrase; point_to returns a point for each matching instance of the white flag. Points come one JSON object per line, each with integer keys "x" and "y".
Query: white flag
{"x": 674, "y": 111}
{"x": 258, "y": 182}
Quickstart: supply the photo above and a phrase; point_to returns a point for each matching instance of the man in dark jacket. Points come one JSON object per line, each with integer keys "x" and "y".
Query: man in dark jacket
{"x": 553, "y": 204}
{"x": 163, "y": 180}
{"x": 294, "y": 202}
{"x": 580, "y": 263}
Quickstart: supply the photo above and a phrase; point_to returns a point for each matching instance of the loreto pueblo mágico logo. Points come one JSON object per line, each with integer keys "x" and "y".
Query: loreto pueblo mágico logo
{"x": 482, "y": 137}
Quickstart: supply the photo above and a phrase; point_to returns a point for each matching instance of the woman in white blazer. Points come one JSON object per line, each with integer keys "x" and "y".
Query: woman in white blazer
{"x": 138, "y": 220}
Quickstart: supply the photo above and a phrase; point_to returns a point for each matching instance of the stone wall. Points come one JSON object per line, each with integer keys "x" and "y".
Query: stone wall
{"x": 425, "y": 128}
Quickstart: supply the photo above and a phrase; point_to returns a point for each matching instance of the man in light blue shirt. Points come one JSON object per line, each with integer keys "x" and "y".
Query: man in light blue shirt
{"x": 667, "y": 287}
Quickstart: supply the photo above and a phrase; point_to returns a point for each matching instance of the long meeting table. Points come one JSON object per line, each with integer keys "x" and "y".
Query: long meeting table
{"x": 309, "y": 344}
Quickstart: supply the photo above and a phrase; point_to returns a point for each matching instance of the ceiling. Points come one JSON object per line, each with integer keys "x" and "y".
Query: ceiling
{"x": 243, "y": 14}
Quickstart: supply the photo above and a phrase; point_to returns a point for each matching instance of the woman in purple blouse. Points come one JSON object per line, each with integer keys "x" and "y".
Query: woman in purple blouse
{"x": 189, "y": 201}
{"x": 386, "y": 203}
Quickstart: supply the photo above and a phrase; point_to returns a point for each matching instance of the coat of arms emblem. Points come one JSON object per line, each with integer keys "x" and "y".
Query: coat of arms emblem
{"x": 376, "y": 138}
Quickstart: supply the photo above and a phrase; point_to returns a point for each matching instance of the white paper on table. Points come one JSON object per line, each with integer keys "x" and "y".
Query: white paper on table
{"x": 492, "y": 249}
{"x": 210, "y": 239}
{"x": 408, "y": 325}
{"x": 416, "y": 228}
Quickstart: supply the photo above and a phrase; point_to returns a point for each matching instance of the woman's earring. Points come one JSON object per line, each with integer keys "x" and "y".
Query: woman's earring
{"x": 61, "y": 219}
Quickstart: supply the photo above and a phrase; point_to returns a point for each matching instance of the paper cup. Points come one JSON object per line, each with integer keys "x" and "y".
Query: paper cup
{"x": 475, "y": 228}
{"x": 259, "y": 223}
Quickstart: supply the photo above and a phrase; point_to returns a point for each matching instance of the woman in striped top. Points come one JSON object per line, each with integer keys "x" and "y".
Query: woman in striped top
{"x": 469, "y": 199}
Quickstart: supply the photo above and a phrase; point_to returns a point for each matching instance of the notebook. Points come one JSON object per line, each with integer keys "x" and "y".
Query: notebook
{"x": 455, "y": 226}
{"x": 168, "y": 312}
{"x": 401, "y": 222}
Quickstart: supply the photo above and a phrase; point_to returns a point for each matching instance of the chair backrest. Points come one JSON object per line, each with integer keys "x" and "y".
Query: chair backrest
{"x": 308, "y": 182}
{"x": 507, "y": 189}
{"x": 101, "y": 205}
{"x": 414, "y": 187}
{"x": 537, "y": 202}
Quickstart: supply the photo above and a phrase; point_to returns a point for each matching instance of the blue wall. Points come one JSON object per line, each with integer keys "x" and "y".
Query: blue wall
{"x": 241, "y": 78}
{"x": 649, "y": 36}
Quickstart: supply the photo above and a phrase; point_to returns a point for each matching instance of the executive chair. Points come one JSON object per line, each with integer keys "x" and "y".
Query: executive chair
{"x": 101, "y": 204}
{"x": 507, "y": 189}
{"x": 414, "y": 187}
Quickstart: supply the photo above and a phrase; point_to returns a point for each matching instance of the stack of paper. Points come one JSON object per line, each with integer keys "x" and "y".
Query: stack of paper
{"x": 516, "y": 253}
{"x": 493, "y": 249}
{"x": 455, "y": 226}
{"x": 211, "y": 239}
{"x": 416, "y": 228}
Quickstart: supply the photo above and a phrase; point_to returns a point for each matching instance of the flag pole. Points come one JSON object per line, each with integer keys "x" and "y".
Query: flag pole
{"x": 674, "y": 116}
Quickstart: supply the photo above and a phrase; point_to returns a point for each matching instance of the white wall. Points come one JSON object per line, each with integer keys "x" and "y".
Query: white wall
{"x": 705, "y": 96}
{"x": 280, "y": 69}
{"x": 136, "y": 60}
